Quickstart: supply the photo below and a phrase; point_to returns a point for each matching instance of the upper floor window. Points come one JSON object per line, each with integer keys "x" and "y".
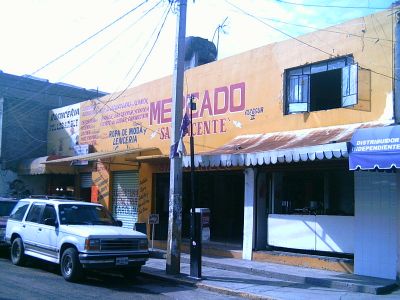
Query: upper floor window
{"x": 321, "y": 86}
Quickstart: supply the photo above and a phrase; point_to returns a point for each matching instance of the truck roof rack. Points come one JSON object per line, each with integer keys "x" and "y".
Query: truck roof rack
{"x": 55, "y": 197}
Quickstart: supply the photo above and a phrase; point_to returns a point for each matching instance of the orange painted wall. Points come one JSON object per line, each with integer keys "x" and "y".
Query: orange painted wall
{"x": 252, "y": 80}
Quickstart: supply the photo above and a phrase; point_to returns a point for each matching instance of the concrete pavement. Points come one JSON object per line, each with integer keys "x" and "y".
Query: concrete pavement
{"x": 263, "y": 280}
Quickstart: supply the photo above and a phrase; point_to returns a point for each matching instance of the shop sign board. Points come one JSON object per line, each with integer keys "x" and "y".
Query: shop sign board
{"x": 63, "y": 130}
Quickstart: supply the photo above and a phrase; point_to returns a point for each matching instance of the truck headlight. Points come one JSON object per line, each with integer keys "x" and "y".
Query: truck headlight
{"x": 143, "y": 244}
{"x": 92, "y": 244}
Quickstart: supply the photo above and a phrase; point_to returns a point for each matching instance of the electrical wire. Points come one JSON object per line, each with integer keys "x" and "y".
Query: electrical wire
{"x": 143, "y": 48}
{"x": 326, "y": 30}
{"x": 106, "y": 103}
{"x": 111, "y": 99}
{"x": 49, "y": 85}
{"x": 87, "y": 59}
{"x": 279, "y": 30}
{"x": 24, "y": 154}
{"x": 90, "y": 37}
{"x": 299, "y": 40}
{"x": 330, "y": 6}
{"x": 36, "y": 93}
{"x": 111, "y": 41}
{"x": 85, "y": 40}
{"x": 27, "y": 132}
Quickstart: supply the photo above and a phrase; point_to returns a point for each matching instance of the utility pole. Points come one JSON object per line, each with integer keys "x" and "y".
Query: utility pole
{"x": 175, "y": 190}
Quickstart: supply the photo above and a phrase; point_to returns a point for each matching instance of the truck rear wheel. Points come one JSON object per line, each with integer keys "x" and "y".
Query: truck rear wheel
{"x": 17, "y": 252}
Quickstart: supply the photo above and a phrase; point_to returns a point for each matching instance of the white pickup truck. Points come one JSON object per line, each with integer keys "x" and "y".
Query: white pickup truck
{"x": 74, "y": 234}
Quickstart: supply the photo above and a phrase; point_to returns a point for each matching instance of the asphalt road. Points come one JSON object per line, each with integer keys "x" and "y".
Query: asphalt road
{"x": 40, "y": 280}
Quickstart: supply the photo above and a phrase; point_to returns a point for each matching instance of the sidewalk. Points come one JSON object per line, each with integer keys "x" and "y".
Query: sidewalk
{"x": 262, "y": 280}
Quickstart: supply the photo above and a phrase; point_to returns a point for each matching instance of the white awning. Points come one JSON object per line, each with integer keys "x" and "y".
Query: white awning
{"x": 327, "y": 151}
{"x": 281, "y": 147}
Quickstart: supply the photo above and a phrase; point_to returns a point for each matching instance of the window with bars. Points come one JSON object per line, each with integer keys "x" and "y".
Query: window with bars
{"x": 321, "y": 86}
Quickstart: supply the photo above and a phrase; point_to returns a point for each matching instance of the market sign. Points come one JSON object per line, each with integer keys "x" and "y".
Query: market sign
{"x": 375, "y": 148}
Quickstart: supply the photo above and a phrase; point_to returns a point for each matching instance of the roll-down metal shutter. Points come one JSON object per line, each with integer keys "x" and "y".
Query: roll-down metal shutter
{"x": 125, "y": 197}
{"x": 86, "y": 180}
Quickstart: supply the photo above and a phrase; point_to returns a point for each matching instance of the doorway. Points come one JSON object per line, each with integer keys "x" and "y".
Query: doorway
{"x": 220, "y": 191}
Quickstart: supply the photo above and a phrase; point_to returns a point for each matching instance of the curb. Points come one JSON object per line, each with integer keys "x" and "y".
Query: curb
{"x": 186, "y": 280}
{"x": 377, "y": 289}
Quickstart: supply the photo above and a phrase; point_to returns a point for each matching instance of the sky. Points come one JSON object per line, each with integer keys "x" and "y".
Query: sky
{"x": 97, "y": 44}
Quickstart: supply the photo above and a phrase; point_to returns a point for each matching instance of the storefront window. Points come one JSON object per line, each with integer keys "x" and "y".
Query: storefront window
{"x": 328, "y": 192}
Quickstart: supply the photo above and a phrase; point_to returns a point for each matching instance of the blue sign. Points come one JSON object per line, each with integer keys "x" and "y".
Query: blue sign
{"x": 375, "y": 148}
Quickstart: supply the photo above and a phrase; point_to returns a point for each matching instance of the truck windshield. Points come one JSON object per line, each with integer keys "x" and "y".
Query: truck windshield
{"x": 80, "y": 214}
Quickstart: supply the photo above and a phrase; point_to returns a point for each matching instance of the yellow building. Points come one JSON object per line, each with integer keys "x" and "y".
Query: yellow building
{"x": 271, "y": 132}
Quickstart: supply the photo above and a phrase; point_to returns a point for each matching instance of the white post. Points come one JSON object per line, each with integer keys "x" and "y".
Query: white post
{"x": 248, "y": 222}
{"x": 152, "y": 236}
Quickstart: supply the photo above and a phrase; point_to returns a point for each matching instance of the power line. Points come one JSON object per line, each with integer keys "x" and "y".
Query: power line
{"x": 50, "y": 85}
{"x": 106, "y": 103}
{"x": 144, "y": 47}
{"x": 277, "y": 29}
{"x": 27, "y": 132}
{"x": 329, "y": 6}
{"x": 111, "y": 41}
{"x": 24, "y": 154}
{"x": 90, "y": 37}
{"x": 38, "y": 93}
{"x": 76, "y": 67}
{"x": 78, "y": 45}
{"x": 35, "y": 91}
{"x": 300, "y": 41}
{"x": 326, "y": 30}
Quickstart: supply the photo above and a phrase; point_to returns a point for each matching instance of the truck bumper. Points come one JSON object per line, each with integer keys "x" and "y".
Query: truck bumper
{"x": 104, "y": 261}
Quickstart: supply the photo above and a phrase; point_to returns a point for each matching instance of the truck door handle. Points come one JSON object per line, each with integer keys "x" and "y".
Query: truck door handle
{"x": 23, "y": 226}
{"x": 40, "y": 229}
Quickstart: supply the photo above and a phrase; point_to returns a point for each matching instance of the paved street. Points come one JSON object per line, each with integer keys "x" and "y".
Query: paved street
{"x": 42, "y": 281}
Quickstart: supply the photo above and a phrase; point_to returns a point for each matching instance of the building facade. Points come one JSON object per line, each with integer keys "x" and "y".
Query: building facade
{"x": 24, "y": 105}
{"x": 272, "y": 130}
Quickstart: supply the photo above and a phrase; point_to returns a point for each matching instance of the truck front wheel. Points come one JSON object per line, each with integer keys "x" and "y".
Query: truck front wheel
{"x": 71, "y": 268}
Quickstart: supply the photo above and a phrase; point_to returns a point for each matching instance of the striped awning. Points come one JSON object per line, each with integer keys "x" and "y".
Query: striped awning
{"x": 281, "y": 147}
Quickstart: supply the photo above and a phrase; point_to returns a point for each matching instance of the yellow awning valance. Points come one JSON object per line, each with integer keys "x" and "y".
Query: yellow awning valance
{"x": 37, "y": 166}
{"x": 100, "y": 155}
